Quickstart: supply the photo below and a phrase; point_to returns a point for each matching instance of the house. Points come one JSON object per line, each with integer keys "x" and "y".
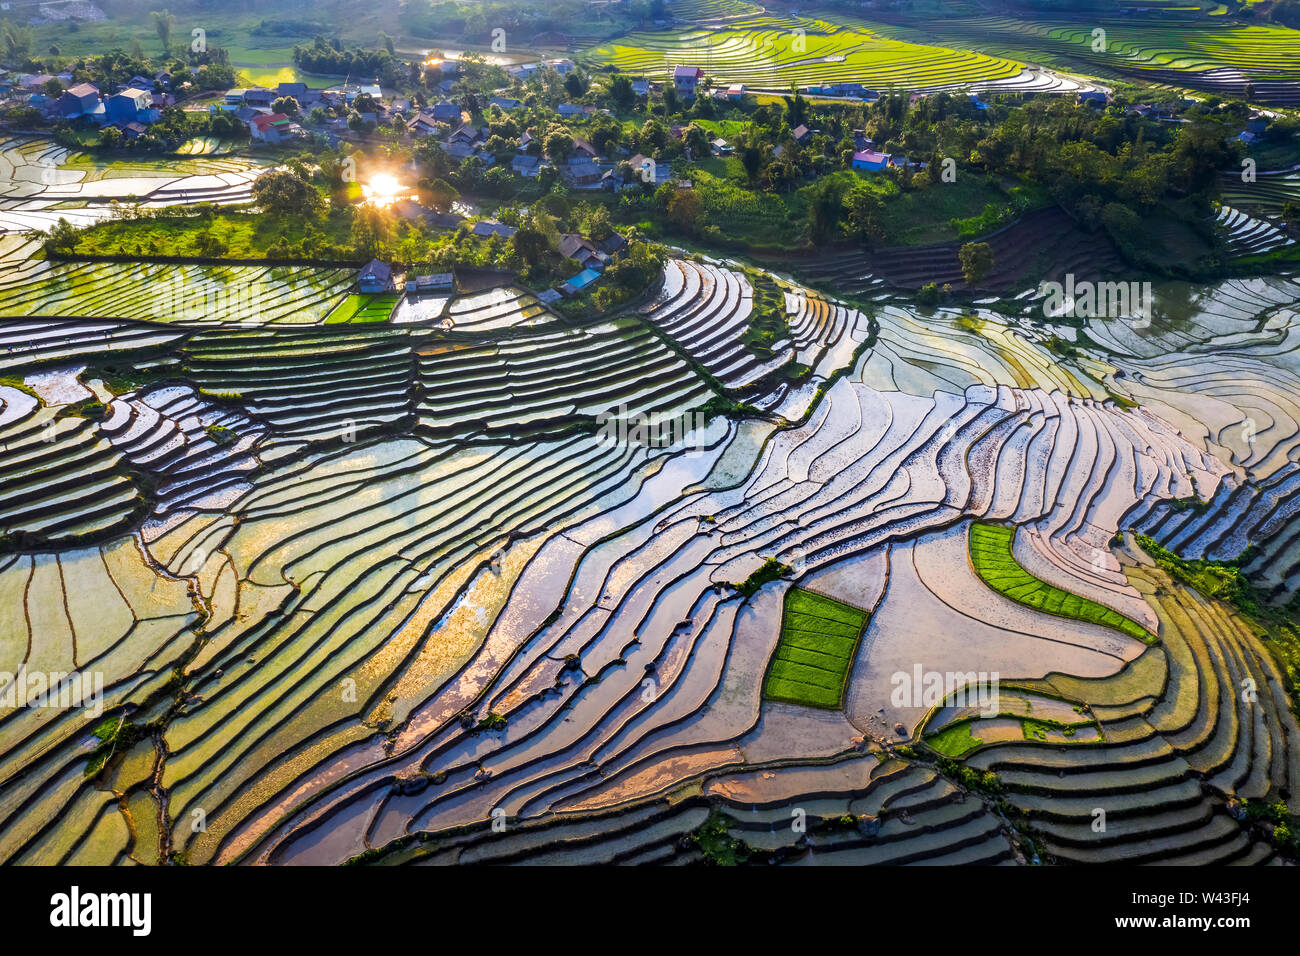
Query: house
{"x": 141, "y": 82}
{"x": 583, "y": 149}
{"x": 736, "y": 92}
{"x": 376, "y": 277}
{"x": 870, "y": 160}
{"x": 613, "y": 245}
{"x": 641, "y": 87}
{"x": 579, "y": 282}
{"x": 130, "y": 105}
{"x": 686, "y": 78}
{"x": 561, "y": 65}
{"x": 444, "y": 220}
{"x": 581, "y": 171}
{"x": 446, "y": 112}
{"x": 1094, "y": 98}
{"x": 131, "y": 131}
{"x": 801, "y": 134}
{"x": 549, "y": 296}
{"x": 721, "y": 147}
{"x": 465, "y": 134}
{"x": 582, "y": 251}
{"x": 233, "y": 98}
{"x": 437, "y": 282}
{"x": 570, "y": 110}
{"x": 490, "y": 227}
{"x": 862, "y": 141}
{"x": 423, "y": 124}
{"x": 78, "y": 100}
{"x": 271, "y": 128}
{"x": 160, "y": 101}
{"x": 258, "y": 96}
{"x": 297, "y": 90}
{"x": 506, "y": 103}
{"x": 527, "y": 166}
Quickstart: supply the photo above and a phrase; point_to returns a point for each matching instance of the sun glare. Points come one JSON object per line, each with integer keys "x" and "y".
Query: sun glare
{"x": 383, "y": 190}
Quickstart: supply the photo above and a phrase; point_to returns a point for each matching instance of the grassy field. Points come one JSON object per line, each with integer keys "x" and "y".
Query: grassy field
{"x": 360, "y": 307}
{"x": 774, "y": 52}
{"x": 994, "y": 562}
{"x": 819, "y": 638}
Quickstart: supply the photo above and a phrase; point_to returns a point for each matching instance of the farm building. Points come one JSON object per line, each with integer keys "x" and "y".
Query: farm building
{"x": 870, "y": 160}
{"x": 376, "y": 277}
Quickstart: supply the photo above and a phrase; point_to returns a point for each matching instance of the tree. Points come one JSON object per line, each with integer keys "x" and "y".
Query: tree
{"x": 684, "y": 209}
{"x": 163, "y": 21}
{"x": 62, "y": 237}
{"x": 441, "y": 194}
{"x": 286, "y": 105}
{"x": 976, "y": 261}
{"x": 559, "y": 145}
{"x": 530, "y": 244}
{"x": 283, "y": 192}
{"x": 620, "y": 92}
{"x": 52, "y": 87}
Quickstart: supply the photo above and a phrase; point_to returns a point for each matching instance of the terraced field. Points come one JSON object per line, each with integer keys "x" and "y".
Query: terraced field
{"x": 417, "y": 582}
{"x": 1214, "y": 57}
{"x": 768, "y": 52}
{"x": 41, "y": 182}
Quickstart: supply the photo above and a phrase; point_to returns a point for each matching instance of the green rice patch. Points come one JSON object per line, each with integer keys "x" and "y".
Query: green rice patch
{"x": 819, "y": 640}
{"x": 995, "y": 563}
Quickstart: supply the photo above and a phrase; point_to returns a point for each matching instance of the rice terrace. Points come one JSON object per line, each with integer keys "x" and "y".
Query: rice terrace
{"x": 650, "y": 432}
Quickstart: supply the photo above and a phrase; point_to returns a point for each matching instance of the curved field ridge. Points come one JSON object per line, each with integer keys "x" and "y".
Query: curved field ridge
{"x": 819, "y": 639}
{"x": 994, "y": 562}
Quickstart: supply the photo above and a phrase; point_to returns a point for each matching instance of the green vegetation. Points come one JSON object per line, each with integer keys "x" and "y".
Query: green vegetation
{"x": 819, "y": 639}
{"x": 717, "y": 845}
{"x": 996, "y": 565}
{"x": 1278, "y": 626}
{"x": 775, "y": 52}
{"x": 955, "y": 740}
{"x": 220, "y": 434}
{"x": 770, "y": 571}
{"x": 364, "y": 307}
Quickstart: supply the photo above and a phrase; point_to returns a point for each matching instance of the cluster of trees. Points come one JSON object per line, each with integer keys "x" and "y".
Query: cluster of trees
{"x": 332, "y": 59}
